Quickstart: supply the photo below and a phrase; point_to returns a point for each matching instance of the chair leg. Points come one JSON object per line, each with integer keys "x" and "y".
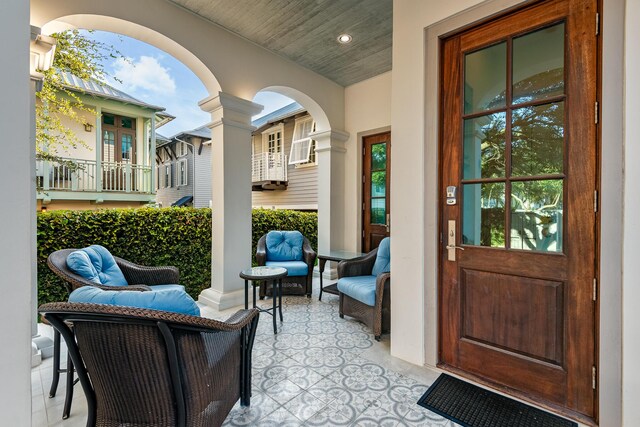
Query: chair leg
{"x": 69, "y": 396}
{"x": 56, "y": 363}
{"x": 377, "y": 337}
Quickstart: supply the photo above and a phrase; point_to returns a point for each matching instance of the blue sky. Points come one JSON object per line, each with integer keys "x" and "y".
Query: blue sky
{"x": 157, "y": 78}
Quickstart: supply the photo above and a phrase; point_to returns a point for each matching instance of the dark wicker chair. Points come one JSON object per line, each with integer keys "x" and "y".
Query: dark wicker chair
{"x": 294, "y": 285}
{"x": 143, "y": 368}
{"x": 139, "y": 276}
{"x": 377, "y": 317}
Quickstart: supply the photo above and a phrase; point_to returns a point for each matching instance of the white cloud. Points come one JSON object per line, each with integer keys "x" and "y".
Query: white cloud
{"x": 144, "y": 74}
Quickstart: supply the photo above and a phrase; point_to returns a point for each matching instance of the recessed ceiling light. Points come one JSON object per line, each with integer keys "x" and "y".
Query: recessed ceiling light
{"x": 344, "y": 38}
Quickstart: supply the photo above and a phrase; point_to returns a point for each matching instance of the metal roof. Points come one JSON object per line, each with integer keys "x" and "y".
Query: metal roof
{"x": 279, "y": 114}
{"x": 201, "y": 132}
{"x": 102, "y": 90}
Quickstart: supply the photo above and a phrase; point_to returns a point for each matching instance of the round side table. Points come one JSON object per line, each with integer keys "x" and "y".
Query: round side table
{"x": 273, "y": 274}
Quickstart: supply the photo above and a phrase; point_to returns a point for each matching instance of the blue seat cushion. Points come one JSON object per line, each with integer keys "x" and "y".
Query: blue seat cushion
{"x": 96, "y": 264}
{"x": 361, "y": 288}
{"x": 383, "y": 259}
{"x": 294, "y": 268}
{"x": 174, "y": 300}
{"x": 164, "y": 287}
{"x": 284, "y": 246}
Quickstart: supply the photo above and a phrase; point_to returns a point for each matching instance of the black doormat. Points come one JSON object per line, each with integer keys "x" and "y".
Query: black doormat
{"x": 472, "y": 406}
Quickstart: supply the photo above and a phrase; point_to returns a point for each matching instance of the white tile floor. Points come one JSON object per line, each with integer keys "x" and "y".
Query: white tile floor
{"x": 319, "y": 370}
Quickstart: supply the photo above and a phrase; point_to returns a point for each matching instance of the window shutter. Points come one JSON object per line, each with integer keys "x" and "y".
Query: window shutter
{"x": 300, "y": 151}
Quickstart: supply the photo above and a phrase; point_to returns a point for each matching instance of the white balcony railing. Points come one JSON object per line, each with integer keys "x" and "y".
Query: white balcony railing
{"x": 83, "y": 175}
{"x": 268, "y": 167}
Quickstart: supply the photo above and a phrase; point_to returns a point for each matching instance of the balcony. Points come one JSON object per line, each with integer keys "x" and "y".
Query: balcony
{"x": 269, "y": 172}
{"x": 85, "y": 176}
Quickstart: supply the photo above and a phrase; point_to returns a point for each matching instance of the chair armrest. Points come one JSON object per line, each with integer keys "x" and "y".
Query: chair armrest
{"x": 261, "y": 251}
{"x": 383, "y": 280}
{"x": 139, "y": 274}
{"x": 308, "y": 254}
{"x": 134, "y": 288}
{"x": 361, "y": 266}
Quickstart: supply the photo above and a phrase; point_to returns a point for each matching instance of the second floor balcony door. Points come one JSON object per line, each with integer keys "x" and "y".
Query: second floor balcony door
{"x": 118, "y": 152}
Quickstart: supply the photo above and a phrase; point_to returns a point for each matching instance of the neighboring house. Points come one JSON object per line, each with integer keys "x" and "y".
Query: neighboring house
{"x": 284, "y": 172}
{"x": 284, "y": 165}
{"x": 113, "y": 166}
{"x": 183, "y": 169}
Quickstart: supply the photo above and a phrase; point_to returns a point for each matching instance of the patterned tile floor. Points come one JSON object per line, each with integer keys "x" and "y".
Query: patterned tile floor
{"x": 319, "y": 370}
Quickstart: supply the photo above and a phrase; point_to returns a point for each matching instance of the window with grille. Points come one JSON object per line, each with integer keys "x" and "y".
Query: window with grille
{"x": 182, "y": 149}
{"x": 182, "y": 173}
{"x": 167, "y": 176}
{"x": 302, "y": 146}
{"x": 272, "y": 139}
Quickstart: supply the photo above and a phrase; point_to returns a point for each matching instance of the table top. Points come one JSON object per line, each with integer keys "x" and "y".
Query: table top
{"x": 339, "y": 255}
{"x": 263, "y": 273}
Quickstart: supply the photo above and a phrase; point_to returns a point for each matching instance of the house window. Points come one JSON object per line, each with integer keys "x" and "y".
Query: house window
{"x": 272, "y": 140}
{"x": 167, "y": 176}
{"x": 182, "y": 172}
{"x": 181, "y": 148}
{"x": 302, "y": 147}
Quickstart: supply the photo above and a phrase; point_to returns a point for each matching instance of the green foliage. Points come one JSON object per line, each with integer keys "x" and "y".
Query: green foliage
{"x": 170, "y": 236}
{"x": 152, "y": 237}
{"x": 83, "y": 57}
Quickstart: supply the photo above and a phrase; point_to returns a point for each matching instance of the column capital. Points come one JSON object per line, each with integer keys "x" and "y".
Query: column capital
{"x": 230, "y": 102}
{"x": 330, "y": 140}
{"x": 229, "y": 110}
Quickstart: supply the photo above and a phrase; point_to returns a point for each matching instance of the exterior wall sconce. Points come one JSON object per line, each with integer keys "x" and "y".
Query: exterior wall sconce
{"x": 88, "y": 127}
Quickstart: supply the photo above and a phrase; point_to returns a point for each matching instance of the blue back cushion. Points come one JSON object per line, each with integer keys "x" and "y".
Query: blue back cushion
{"x": 97, "y": 265}
{"x": 284, "y": 246}
{"x": 174, "y": 300}
{"x": 383, "y": 259}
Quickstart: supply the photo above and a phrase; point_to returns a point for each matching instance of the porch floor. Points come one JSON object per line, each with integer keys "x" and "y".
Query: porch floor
{"x": 319, "y": 370}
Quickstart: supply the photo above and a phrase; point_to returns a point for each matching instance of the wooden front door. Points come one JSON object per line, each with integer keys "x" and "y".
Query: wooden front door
{"x": 376, "y": 163}
{"x": 518, "y": 178}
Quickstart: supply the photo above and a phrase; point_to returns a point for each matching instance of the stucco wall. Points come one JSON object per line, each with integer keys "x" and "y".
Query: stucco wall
{"x": 367, "y": 111}
{"x": 16, "y": 216}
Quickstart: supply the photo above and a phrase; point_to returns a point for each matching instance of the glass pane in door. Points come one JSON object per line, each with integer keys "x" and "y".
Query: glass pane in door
{"x": 108, "y": 144}
{"x": 536, "y": 215}
{"x": 484, "y": 146}
{"x": 127, "y": 148}
{"x": 537, "y": 140}
{"x": 485, "y": 79}
{"x": 483, "y": 219}
{"x": 379, "y": 156}
{"x": 378, "y": 210}
{"x": 538, "y": 64}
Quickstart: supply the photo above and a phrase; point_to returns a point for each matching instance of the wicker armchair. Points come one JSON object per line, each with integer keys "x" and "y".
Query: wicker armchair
{"x": 142, "y": 367}
{"x": 140, "y": 278}
{"x": 291, "y": 285}
{"x": 378, "y": 316}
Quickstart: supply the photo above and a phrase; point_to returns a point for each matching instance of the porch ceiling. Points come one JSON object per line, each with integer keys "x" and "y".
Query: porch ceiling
{"x": 305, "y": 32}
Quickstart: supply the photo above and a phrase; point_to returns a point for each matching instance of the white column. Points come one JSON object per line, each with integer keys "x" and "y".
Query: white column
{"x": 231, "y": 194}
{"x": 98, "y": 148}
{"x": 16, "y": 221}
{"x": 152, "y": 153}
{"x": 330, "y": 149}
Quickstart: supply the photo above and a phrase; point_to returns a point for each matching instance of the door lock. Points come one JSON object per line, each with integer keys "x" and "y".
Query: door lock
{"x": 451, "y": 241}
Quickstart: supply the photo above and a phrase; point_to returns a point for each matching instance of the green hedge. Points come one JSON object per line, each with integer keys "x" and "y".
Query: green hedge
{"x": 170, "y": 236}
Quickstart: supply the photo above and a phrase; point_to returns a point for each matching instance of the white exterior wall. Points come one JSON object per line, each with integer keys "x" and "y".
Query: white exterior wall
{"x": 631, "y": 232}
{"x": 367, "y": 112}
{"x": 302, "y": 190}
{"x": 17, "y": 217}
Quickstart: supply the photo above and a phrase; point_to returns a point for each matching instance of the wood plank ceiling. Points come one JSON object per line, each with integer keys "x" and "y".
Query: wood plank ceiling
{"x": 305, "y": 31}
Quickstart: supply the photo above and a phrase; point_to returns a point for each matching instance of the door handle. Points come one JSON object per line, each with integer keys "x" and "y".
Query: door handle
{"x": 451, "y": 241}
{"x": 388, "y": 223}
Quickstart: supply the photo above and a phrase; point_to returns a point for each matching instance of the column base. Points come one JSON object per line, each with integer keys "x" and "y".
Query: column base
{"x": 221, "y": 301}
{"x": 36, "y": 355}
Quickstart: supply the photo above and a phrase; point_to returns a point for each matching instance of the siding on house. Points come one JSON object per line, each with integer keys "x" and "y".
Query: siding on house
{"x": 202, "y": 196}
{"x": 165, "y": 196}
{"x": 302, "y": 190}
